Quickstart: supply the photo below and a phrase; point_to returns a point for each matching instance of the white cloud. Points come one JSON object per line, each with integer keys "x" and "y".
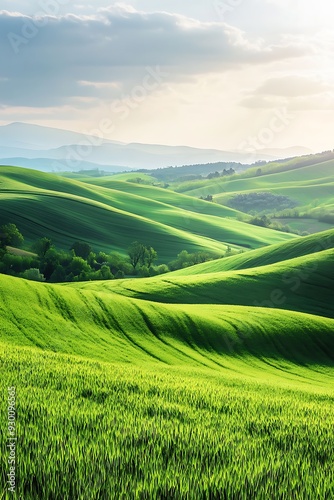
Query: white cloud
{"x": 298, "y": 92}
{"x": 293, "y": 86}
{"x": 117, "y": 44}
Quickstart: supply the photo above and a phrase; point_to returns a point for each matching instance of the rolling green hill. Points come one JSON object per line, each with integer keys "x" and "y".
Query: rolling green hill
{"x": 295, "y": 183}
{"x": 109, "y": 219}
{"x": 306, "y": 183}
{"x": 109, "y": 327}
{"x": 272, "y": 254}
{"x": 167, "y": 196}
{"x": 303, "y": 284}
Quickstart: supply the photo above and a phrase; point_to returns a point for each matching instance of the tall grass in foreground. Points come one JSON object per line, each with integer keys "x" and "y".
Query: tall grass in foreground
{"x": 93, "y": 430}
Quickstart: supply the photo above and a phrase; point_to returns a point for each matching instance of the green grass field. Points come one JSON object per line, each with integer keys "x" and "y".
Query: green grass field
{"x": 212, "y": 382}
{"x": 308, "y": 225}
{"x": 119, "y": 395}
{"x": 91, "y": 430}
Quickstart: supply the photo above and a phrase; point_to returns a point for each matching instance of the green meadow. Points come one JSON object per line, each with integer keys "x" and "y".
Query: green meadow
{"x": 125, "y": 398}
{"x": 211, "y": 382}
{"x": 92, "y": 430}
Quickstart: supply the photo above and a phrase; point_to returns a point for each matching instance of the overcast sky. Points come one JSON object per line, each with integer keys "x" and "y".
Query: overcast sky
{"x": 228, "y": 74}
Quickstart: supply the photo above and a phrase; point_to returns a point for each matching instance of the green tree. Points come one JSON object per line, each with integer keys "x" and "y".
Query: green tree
{"x": 150, "y": 255}
{"x": 79, "y": 268}
{"x": 136, "y": 253}
{"x": 118, "y": 263}
{"x": 81, "y": 249}
{"x": 10, "y": 235}
{"x": 3, "y": 252}
{"x": 58, "y": 275}
{"x": 263, "y": 221}
{"x": 102, "y": 257}
{"x": 50, "y": 259}
{"x": 228, "y": 251}
{"x": 105, "y": 273}
{"x": 42, "y": 246}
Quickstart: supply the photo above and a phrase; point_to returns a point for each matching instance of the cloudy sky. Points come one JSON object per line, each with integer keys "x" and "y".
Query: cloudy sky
{"x": 227, "y": 74}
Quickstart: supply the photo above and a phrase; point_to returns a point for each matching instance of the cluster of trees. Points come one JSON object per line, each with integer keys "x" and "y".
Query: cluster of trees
{"x": 216, "y": 174}
{"x": 255, "y": 203}
{"x": 290, "y": 214}
{"x": 328, "y": 218}
{"x": 55, "y": 266}
{"x": 186, "y": 259}
{"x": 175, "y": 174}
{"x": 322, "y": 214}
{"x": 80, "y": 262}
{"x": 209, "y": 197}
{"x": 137, "y": 180}
{"x": 262, "y": 221}
{"x": 265, "y": 221}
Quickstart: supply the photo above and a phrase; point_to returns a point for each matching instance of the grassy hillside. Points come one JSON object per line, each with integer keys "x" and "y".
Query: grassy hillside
{"x": 318, "y": 176}
{"x": 65, "y": 210}
{"x": 272, "y": 254}
{"x": 292, "y": 163}
{"x": 309, "y": 197}
{"x": 309, "y": 187}
{"x": 285, "y": 172}
{"x": 303, "y": 284}
{"x": 110, "y": 327}
{"x": 93, "y": 430}
{"x": 309, "y": 225}
{"x": 232, "y": 401}
{"x": 167, "y": 196}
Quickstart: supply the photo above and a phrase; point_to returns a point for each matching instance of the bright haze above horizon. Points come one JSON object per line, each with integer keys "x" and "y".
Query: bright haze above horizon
{"x": 226, "y": 74}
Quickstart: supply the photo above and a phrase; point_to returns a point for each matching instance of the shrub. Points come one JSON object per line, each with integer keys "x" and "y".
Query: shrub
{"x": 144, "y": 272}
{"x": 33, "y": 274}
{"x": 162, "y": 269}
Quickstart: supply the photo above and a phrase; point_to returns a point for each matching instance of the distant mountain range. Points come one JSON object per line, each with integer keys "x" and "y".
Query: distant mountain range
{"x": 52, "y": 150}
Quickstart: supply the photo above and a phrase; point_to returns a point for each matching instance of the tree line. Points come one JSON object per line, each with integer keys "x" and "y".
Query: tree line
{"x": 45, "y": 262}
